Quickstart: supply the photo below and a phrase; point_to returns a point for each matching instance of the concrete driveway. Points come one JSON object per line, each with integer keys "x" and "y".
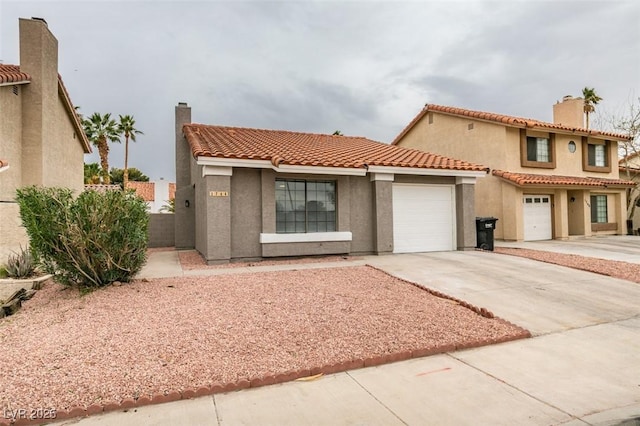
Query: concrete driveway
{"x": 540, "y": 297}
{"x": 581, "y": 367}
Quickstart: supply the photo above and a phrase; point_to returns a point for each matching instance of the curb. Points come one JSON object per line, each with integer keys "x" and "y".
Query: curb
{"x": 288, "y": 376}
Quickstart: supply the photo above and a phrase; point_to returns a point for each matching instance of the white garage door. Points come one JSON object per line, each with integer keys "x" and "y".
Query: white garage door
{"x": 423, "y": 218}
{"x": 537, "y": 217}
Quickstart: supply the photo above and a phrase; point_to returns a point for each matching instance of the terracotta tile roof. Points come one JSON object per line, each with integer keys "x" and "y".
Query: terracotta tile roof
{"x": 525, "y": 179}
{"x": 146, "y": 190}
{"x": 310, "y": 149}
{"x": 507, "y": 120}
{"x": 634, "y": 170}
{"x": 12, "y": 74}
{"x": 101, "y": 187}
{"x": 172, "y": 191}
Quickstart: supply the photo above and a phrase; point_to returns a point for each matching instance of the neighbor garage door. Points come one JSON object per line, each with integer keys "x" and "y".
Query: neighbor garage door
{"x": 537, "y": 217}
{"x": 423, "y": 218}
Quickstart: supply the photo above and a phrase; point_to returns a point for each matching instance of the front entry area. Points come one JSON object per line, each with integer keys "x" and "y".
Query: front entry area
{"x": 537, "y": 217}
{"x": 423, "y": 218}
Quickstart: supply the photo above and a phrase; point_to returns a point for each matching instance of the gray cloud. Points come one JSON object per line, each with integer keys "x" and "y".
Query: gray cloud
{"x": 365, "y": 68}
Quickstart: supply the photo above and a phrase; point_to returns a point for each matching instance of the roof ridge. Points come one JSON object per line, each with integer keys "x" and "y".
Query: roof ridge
{"x": 282, "y": 131}
{"x": 504, "y": 119}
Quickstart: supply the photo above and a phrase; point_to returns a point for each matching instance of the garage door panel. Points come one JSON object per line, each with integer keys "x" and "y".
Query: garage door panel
{"x": 423, "y": 218}
{"x": 537, "y": 217}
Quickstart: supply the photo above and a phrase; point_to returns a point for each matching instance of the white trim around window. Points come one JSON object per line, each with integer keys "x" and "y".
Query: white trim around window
{"x": 310, "y": 237}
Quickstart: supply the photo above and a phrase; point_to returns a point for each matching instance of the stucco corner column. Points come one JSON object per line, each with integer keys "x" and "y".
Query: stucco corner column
{"x": 465, "y": 213}
{"x": 214, "y": 214}
{"x": 560, "y": 215}
{"x": 383, "y": 215}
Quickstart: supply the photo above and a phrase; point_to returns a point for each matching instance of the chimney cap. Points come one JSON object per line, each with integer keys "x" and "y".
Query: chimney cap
{"x": 182, "y": 104}
{"x": 567, "y": 98}
{"x": 35, "y": 18}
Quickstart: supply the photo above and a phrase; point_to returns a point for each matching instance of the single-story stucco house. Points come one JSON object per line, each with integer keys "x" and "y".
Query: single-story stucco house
{"x": 250, "y": 193}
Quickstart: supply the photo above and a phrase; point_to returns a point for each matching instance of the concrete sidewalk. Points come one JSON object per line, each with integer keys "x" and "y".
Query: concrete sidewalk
{"x": 624, "y": 248}
{"x": 582, "y": 368}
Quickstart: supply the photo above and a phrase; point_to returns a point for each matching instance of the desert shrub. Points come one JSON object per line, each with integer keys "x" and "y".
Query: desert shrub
{"x": 90, "y": 241}
{"x": 20, "y": 264}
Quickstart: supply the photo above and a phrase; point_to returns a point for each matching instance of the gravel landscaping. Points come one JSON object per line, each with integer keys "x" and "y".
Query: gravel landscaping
{"x": 613, "y": 268}
{"x": 63, "y": 350}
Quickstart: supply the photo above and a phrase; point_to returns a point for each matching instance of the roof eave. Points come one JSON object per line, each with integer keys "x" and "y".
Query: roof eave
{"x": 75, "y": 120}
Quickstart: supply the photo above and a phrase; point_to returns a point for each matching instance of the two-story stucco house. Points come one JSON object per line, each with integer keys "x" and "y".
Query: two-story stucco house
{"x": 41, "y": 136}
{"x": 252, "y": 193}
{"x": 549, "y": 180}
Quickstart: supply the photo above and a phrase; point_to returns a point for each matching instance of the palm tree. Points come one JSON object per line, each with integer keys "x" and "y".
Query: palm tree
{"x": 92, "y": 173}
{"x": 127, "y": 129}
{"x": 102, "y": 129}
{"x": 591, "y": 99}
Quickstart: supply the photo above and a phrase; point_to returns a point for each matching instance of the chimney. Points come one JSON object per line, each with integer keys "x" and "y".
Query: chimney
{"x": 183, "y": 151}
{"x": 569, "y": 112}
{"x": 185, "y": 206}
{"x": 39, "y": 59}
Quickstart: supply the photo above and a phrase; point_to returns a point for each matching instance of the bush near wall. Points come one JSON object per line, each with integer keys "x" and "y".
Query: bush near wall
{"x": 90, "y": 241}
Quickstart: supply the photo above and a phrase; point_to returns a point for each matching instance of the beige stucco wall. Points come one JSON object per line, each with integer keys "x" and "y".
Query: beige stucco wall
{"x": 37, "y": 134}
{"x": 498, "y": 147}
{"x": 12, "y": 235}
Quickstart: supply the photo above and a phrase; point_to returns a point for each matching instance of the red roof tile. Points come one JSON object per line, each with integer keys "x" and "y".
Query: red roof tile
{"x": 507, "y": 120}
{"x": 146, "y": 190}
{"x": 172, "y": 191}
{"x": 525, "y": 179}
{"x": 310, "y": 149}
{"x": 12, "y": 74}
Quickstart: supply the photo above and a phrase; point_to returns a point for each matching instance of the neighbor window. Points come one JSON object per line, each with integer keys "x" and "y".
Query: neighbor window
{"x": 596, "y": 156}
{"x": 305, "y": 206}
{"x": 598, "y": 209}
{"x": 538, "y": 149}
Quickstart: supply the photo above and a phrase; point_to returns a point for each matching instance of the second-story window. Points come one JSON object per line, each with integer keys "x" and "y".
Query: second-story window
{"x": 597, "y": 155}
{"x": 538, "y": 149}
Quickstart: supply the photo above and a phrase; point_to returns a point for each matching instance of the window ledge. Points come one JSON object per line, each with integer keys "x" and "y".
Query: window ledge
{"x": 310, "y": 237}
{"x": 539, "y": 164}
{"x": 598, "y": 169}
{"x": 595, "y": 227}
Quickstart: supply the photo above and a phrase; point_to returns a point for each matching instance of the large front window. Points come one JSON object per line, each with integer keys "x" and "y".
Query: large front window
{"x": 598, "y": 209}
{"x": 305, "y": 206}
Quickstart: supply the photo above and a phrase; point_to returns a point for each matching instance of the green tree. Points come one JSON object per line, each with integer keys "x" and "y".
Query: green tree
{"x": 92, "y": 173}
{"x": 591, "y": 99}
{"x": 117, "y": 176}
{"x": 629, "y": 125}
{"x": 102, "y": 129}
{"x": 126, "y": 127}
{"x": 169, "y": 206}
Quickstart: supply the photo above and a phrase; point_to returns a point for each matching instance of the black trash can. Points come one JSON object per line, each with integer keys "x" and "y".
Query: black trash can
{"x": 484, "y": 232}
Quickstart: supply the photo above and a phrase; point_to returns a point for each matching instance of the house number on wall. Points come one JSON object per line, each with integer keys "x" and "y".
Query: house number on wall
{"x": 218, "y": 193}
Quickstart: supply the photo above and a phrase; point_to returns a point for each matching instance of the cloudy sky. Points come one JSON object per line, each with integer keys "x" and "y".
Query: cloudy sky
{"x": 364, "y": 68}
